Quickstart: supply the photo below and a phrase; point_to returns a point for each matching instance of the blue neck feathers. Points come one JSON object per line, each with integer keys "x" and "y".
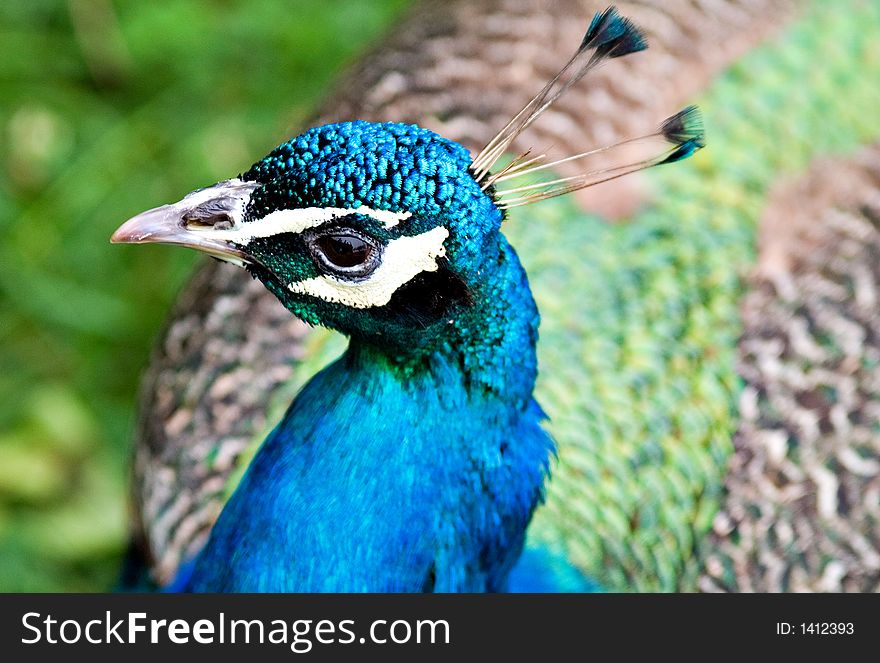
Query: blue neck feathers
{"x": 398, "y": 472}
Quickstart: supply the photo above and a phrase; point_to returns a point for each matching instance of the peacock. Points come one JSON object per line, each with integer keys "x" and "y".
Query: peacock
{"x": 413, "y": 462}
{"x": 642, "y": 395}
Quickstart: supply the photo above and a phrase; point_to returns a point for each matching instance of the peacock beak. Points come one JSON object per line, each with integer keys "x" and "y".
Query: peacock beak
{"x": 199, "y": 222}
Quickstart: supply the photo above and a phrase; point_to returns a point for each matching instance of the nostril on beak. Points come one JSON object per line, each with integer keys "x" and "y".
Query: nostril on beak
{"x": 196, "y": 221}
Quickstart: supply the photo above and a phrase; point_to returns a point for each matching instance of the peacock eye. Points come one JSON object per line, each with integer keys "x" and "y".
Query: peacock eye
{"x": 345, "y": 252}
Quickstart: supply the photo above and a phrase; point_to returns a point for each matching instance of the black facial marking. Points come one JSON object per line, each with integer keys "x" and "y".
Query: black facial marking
{"x": 429, "y": 296}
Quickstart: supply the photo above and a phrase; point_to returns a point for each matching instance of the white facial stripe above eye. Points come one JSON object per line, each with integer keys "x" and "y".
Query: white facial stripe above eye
{"x": 298, "y": 220}
{"x": 403, "y": 259}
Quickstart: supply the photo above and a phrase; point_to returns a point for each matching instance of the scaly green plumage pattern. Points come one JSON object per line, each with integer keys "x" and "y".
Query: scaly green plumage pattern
{"x": 652, "y": 322}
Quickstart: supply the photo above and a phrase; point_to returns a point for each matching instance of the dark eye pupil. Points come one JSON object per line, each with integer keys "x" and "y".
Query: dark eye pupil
{"x": 345, "y": 250}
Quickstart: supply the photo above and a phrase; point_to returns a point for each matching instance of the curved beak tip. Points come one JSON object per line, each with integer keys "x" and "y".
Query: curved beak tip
{"x": 154, "y": 225}
{"x": 123, "y": 235}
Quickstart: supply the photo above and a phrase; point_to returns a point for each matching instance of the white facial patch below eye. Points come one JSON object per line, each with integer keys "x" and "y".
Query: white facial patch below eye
{"x": 402, "y": 259}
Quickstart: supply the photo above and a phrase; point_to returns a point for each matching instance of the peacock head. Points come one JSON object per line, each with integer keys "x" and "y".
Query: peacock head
{"x": 386, "y": 231}
{"x": 370, "y": 229}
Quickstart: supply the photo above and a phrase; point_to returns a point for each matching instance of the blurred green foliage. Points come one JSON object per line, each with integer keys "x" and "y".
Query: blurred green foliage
{"x": 106, "y": 109}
